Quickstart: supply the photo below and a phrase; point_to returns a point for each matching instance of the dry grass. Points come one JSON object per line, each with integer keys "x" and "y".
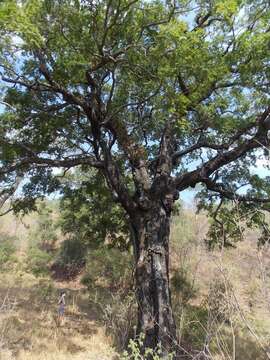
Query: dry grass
{"x": 245, "y": 335}
{"x": 30, "y": 331}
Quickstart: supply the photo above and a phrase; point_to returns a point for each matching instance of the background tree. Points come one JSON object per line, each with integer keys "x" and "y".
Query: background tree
{"x": 89, "y": 218}
{"x": 44, "y": 236}
{"x": 168, "y": 95}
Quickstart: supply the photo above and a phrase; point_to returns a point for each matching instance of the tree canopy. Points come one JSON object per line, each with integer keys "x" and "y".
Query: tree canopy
{"x": 137, "y": 70}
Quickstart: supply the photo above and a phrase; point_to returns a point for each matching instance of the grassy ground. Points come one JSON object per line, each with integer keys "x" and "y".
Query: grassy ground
{"x": 29, "y": 323}
{"x": 221, "y": 301}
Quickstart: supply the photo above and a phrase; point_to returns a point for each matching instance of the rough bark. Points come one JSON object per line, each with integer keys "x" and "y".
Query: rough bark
{"x": 151, "y": 232}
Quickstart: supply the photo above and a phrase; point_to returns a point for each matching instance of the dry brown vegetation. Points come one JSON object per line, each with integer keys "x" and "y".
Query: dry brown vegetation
{"x": 221, "y": 300}
{"x": 29, "y": 326}
{"x": 226, "y": 310}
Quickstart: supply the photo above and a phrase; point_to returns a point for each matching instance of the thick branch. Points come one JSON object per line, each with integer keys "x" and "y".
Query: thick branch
{"x": 202, "y": 174}
{"x": 199, "y": 145}
{"x": 165, "y": 159}
{"x": 231, "y": 195}
{"x": 114, "y": 180}
{"x": 205, "y": 144}
{"x": 43, "y": 162}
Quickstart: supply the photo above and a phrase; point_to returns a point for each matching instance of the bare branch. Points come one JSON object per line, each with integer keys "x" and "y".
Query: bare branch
{"x": 7, "y": 104}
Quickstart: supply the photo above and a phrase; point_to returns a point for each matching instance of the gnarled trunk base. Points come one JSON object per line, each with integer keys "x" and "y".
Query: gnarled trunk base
{"x": 151, "y": 245}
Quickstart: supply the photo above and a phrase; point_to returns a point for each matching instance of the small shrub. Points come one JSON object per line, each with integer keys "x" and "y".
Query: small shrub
{"x": 195, "y": 326}
{"x": 119, "y": 318}
{"x": 108, "y": 276}
{"x": 109, "y": 268}
{"x": 72, "y": 253}
{"x": 7, "y": 250}
{"x": 70, "y": 259}
{"x": 182, "y": 287}
{"x": 135, "y": 353}
{"x": 38, "y": 261}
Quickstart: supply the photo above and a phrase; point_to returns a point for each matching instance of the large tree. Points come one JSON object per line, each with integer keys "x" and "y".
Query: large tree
{"x": 158, "y": 96}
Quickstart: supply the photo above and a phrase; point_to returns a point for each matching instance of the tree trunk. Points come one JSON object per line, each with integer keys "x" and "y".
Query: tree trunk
{"x": 151, "y": 248}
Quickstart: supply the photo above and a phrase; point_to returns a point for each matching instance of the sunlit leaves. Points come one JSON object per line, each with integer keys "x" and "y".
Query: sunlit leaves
{"x": 20, "y": 19}
{"x": 227, "y": 8}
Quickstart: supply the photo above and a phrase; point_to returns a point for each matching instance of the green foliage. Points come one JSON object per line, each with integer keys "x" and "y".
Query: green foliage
{"x": 135, "y": 351}
{"x": 153, "y": 60}
{"x": 44, "y": 235}
{"x": 38, "y": 261}
{"x": 203, "y": 69}
{"x": 89, "y": 214}
{"x": 144, "y": 91}
{"x": 182, "y": 286}
{"x": 229, "y": 222}
{"x": 7, "y": 250}
{"x": 110, "y": 266}
{"x": 20, "y": 20}
{"x": 72, "y": 253}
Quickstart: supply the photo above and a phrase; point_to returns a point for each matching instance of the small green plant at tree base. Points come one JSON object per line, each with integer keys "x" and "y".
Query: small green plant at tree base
{"x": 135, "y": 351}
